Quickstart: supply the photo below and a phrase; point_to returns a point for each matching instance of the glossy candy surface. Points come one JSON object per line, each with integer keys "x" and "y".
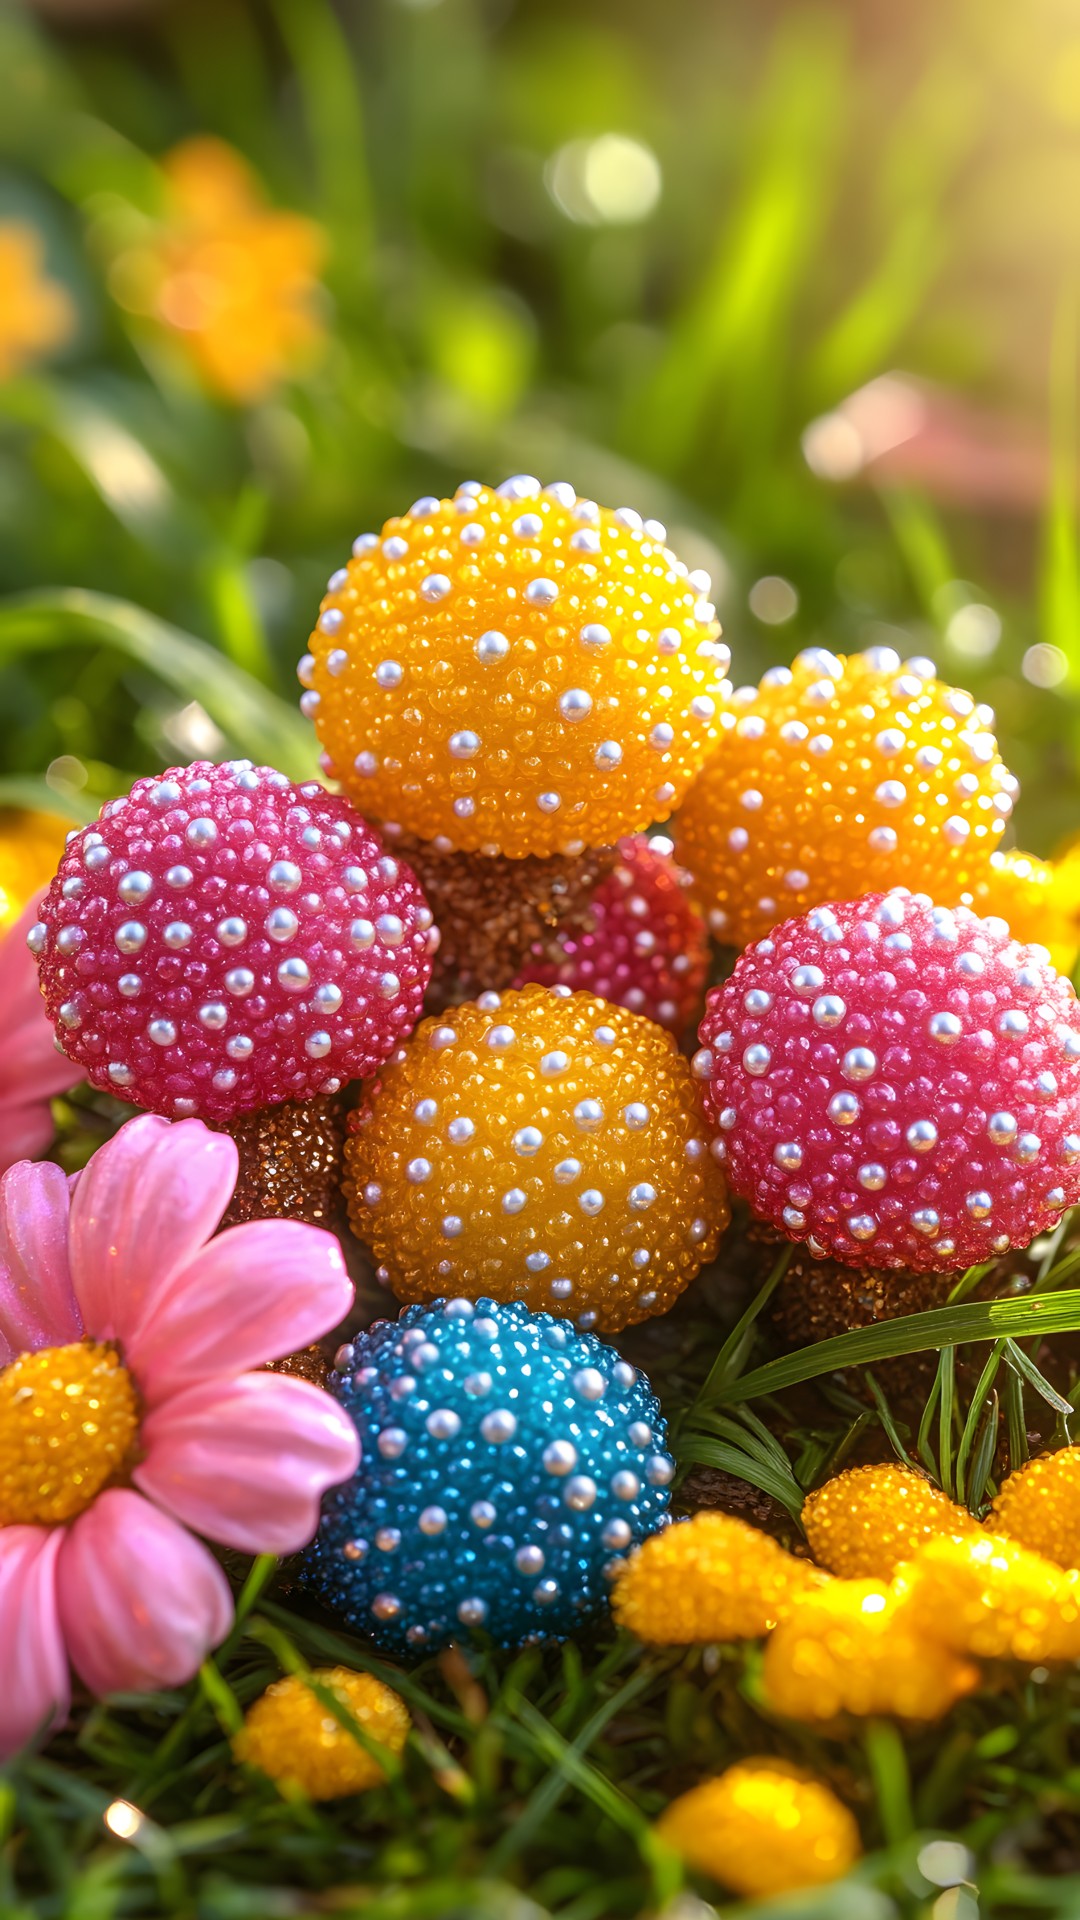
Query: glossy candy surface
{"x": 641, "y": 943}
{"x": 897, "y": 1083}
{"x": 506, "y": 1459}
{"x": 223, "y": 940}
{"x": 539, "y": 1146}
{"x": 517, "y": 670}
{"x": 836, "y": 776}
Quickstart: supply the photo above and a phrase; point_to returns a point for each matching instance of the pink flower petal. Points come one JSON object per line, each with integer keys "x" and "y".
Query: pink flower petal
{"x": 37, "y": 1304}
{"x": 247, "y": 1461}
{"x": 31, "y": 1069}
{"x": 147, "y": 1202}
{"x": 34, "y": 1686}
{"x": 141, "y": 1602}
{"x": 255, "y": 1293}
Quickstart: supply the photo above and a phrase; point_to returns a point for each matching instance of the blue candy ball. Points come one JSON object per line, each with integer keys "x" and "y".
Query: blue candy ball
{"x": 507, "y": 1460}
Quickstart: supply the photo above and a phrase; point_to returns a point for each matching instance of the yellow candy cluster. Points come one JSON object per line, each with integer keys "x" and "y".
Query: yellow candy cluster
{"x": 30, "y": 847}
{"x": 709, "y": 1578}
{"x": 546, "y": 1147}
{"x": 836, "y": 777}
{"x": 1039, "y": 1506}
{"x": 291, "y": 1736}
{"x": 763, "y": 1828}
{"x": 516, "y": 670}
{"x": 68, "y": 1421}
{"x": 865, "y": 1522}
{"x": 993, "y": 1598}
{"x": 924, "y": 1591}
{"x": 859, "y": 1646}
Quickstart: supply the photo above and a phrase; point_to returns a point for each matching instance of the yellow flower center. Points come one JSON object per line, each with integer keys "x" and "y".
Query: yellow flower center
{"x": 68, "y": 1421}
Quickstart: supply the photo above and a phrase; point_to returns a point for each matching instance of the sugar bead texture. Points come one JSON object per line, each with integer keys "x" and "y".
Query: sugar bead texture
{"x": 507, "y": 1460}
{"x": 866, "y": 1521}
{"x": 839, "y": 775}
{"x": 897, "y": 1082}
{"x": 539, "y": 1146}
{"x": 642, "y": 944}
{"x": 224, "y": 940}
{"x": 493, "y": 912}
{"x": 518, "y": 670}
{"x": 290, "y": 1162}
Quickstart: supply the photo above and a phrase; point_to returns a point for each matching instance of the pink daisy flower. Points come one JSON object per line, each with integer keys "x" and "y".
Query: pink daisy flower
{"x": 130, "y": 1419}
{"x": 31, "y": 1070}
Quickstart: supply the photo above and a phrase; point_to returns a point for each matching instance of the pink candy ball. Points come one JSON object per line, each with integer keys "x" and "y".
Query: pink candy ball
{"x": 897, "y": 1084}
{"x": 224, "y": 940}
{"x": 643, "y": 943}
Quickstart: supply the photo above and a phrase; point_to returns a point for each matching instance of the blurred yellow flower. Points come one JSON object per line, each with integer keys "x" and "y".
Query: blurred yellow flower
{"x": 290, "y": 1736}
{"x": 763, "y": 1827}
{"x": 36, "y": 313}
{"x": 233, "y": 278}
{"x": 30, "y": 849}
{"x": 857, "y": 1646}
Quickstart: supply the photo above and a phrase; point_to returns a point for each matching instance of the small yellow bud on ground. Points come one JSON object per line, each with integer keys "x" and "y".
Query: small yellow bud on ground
{"x": 763, "y": 1827}
{"x": 291, "y": 1736}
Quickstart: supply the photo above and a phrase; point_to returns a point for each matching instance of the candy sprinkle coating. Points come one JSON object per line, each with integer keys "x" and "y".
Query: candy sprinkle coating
{"x": 839, "y": 775}
{"x": 223, "y": 940}
{"x": 897, "y": 1082}
{"x": 507, "y": 1460}
{"x": 641, "y": 943}
{"x": 539, "y": 1146}
{"x": 516, "y": 670}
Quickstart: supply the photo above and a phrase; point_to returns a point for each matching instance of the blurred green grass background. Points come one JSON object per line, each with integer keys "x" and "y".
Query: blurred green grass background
{"x": 653, "y": 250}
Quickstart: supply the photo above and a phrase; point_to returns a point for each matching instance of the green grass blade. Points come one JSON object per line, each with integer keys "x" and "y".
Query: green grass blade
{"x": 975, "y": 1412}
{"x": 703, "y": 1451}
{"x": 947, "y": 1417}
{"x": 255, "y": 721}
{"x": 915, "y": 1333}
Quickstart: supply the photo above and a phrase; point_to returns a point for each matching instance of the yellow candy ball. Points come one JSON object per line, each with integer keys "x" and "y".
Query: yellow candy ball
{"x": 515, "y": 670}
{"x": 1039, "y": 1505}
{"x": 708, "y": 1578}
{"x": 30, "y": 849}
{"x": 993, "y": 1598}
{"x": 763, "y": 1827}
{"x": 865, "y": 1522}
{"x": 291, "y": 1736}
{"x": 837, "y": 777}
{"x": 856, "y": 1646}
{"x": 539, "y": 1146}
{"x": 1035, "y": 897}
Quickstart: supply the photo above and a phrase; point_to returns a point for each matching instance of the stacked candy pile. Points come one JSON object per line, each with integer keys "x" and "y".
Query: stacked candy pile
{"x": 510, "y": 688}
